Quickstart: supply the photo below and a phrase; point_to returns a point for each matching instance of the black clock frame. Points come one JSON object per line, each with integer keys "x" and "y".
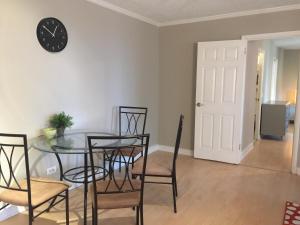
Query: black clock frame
{"x": 52, "y": 34}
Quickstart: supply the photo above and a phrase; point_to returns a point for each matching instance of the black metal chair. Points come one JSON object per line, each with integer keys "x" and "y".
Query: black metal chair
{"x": 164, "y": 169}
{"x": 132, "y": 121}
{"x": 119, "y": 190}
{"x": 31, "y": 192}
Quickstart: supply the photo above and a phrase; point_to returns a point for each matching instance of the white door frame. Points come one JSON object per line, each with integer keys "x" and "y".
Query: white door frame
{"x": 258, "y": 111}
{"x": 280, "y": 35}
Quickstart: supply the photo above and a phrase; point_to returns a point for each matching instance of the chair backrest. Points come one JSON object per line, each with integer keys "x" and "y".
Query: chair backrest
{"x": 12, "y": 149}
{"x": 177, "y": 143}
{"x": 132, "y": 120}
{"x": 117, "y": 182}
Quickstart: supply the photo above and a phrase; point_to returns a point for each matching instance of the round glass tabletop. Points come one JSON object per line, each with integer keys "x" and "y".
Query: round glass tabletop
{"x": 75, "y": 142}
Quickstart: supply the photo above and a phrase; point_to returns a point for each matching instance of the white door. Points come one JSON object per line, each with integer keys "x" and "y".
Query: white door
{"x": 219, "y": 100}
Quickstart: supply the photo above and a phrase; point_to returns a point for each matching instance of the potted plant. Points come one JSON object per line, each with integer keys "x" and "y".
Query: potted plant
{"x": 60, "y": 122}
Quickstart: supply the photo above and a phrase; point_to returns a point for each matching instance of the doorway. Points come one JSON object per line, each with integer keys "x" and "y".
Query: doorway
{"x": 275, "y": 100}
{"x": 258, "y": 92}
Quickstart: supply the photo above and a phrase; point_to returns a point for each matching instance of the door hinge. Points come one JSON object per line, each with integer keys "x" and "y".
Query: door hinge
{"x": 239, "y": 146}
{"x": 245, "y": 51}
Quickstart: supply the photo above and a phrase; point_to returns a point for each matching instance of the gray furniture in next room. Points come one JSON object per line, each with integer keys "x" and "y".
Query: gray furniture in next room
{"x": 274, "y": 118}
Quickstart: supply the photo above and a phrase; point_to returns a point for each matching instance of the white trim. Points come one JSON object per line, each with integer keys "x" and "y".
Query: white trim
{"x": 10, "y": 211}
{"x": 246, "y": 151}
{"x": 297, "y": 171}
{"x": 296, "y": 131}
{"x": 153, "y": 148}
{"x": 182, "y": 151}
{"x": 245, "y": 55}
{"x": 232, "y": 15}
{"x": 258, "y": 110}
{"x": 124, "y": 11}
{"x": 267, "y": 36}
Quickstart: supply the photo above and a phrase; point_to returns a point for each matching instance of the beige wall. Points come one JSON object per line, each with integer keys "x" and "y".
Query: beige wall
{"x": 288, "y": 76}
{"x": 177, "y": 46}
{"x": 110, "y": 60}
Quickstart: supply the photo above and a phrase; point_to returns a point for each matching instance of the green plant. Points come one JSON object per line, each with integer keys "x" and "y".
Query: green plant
{"x": 61, "y": 120}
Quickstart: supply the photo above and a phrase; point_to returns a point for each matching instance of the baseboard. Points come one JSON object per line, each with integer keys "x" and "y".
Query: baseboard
{"x": 246, "y": 151}
{"x": 298, "y": 171}
{"x": 153, "y": 148}
{"x": 182, "y": 151}
{"x": 10, "y": 211}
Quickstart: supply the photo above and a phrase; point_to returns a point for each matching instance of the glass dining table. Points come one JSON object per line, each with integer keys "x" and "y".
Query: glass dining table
{"x": 75, "y": 143}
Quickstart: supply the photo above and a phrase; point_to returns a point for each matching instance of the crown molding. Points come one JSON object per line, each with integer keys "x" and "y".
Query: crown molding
{"x": 126, "y": 12}
{"x": 268, "y": 36}
{"x": 193, "y": 20}
{"x": 232, "y": 15}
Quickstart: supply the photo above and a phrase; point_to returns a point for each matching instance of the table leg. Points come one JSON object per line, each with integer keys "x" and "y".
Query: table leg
{"x": 85, "y": 189}
{"x": 60, "y": 177}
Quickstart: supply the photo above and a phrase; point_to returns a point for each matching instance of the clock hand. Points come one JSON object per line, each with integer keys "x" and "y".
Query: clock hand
{"x": 55, "y": 31}
{"x": 48, "y": 30}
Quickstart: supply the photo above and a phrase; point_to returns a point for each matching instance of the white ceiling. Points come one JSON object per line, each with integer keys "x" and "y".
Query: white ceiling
{"x": 170, "y": 11}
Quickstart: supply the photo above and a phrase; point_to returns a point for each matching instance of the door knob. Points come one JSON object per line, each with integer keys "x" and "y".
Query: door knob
{"x": 199, "y": 104}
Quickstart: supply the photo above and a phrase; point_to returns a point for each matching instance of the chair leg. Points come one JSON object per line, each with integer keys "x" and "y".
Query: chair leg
{"x": 176, "y": 190}
{"x": 67, "y": 207}
{"x": 94, "y": 216}
{"x": 142, "y": 214}
{"x": 174, "y": 195}
{"x": 30, "y": 215}
{"x": 137, "y": 215}
{"x": 30, "y": 220}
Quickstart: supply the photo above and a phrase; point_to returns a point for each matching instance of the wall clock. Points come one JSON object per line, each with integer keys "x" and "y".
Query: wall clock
{"x": 52, "y": 34}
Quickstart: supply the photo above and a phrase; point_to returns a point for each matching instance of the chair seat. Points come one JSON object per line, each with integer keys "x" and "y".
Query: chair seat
{"x": 42, "y": 189}
{"x": 155, "y": 167}
{"x": 125, "y": 196}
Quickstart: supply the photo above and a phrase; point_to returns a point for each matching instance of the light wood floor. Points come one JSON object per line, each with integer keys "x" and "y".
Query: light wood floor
{"x": 210, "y": 193}
{"x": 271, "y": 154}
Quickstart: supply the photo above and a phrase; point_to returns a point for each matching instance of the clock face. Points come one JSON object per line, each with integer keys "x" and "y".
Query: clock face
{"x": 52, "y": 34}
